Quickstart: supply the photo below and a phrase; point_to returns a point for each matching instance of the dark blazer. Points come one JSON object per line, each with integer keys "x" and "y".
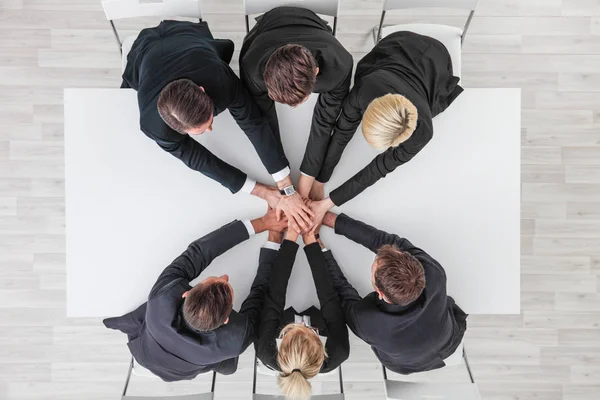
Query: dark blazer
{"x": 406, "y": 339}
{"x": 287, "y": 25}
{"x": 415, "y": 66}
{"x": 160, "y": 339}
{"x": 329, "y": 320}
{"x": 175, "y": 50}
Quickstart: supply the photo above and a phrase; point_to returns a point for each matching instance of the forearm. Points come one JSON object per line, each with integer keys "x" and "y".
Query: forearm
{"x": 305, "y": 184}
{"x": 367, "y": 235}
{"x": 345, "y": 291}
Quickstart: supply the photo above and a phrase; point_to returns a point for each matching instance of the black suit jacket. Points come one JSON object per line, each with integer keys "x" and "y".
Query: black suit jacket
{"x": 329, "y": 320}
{"x": 415, "y": 66}
{"x": 175, "y": 50}
{"x": 406, "y": 339}
{"x": 286, "y": 25}
{"x": 161, "y": 340}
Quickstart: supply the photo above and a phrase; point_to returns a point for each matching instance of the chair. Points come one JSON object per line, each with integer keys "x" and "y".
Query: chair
{"x": 138, "y": 370}
{"x": 398, "y": 390}
{"x": 450, "y": 36}
{"x": 260, "y": 368}
{"x": 325, "y": 7}
{"x": 121, "y": 9}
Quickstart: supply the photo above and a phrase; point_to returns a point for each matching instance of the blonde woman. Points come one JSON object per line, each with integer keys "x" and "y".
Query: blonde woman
{"x": 301, "y": 345}
{"x": 399, "y": 87}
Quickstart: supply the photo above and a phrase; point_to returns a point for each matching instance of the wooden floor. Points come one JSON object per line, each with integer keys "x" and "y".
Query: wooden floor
{"x": 549, "y": 48}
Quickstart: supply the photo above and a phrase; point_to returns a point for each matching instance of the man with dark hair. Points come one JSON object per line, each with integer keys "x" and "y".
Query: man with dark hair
{"x": 183, "y": 80}
{"x": 181, "y": 331}
{"x": 289, "y": 54}
{"x": 409, "y": 321}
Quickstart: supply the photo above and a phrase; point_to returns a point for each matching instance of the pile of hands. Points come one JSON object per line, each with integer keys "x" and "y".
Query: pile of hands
{"x": 297, "y": 214}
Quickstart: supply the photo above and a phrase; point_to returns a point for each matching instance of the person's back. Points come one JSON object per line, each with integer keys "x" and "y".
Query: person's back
{"x": 409, "y": 321}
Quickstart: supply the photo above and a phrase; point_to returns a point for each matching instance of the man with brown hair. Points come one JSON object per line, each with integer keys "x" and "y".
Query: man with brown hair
{"x": 183, "y": 80}
{"x": 289, "y": 54}
{"x": 409, "y": 321}
{"x": 183, "y": 331}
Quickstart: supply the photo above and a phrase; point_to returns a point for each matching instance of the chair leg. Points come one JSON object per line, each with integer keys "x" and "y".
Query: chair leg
{"x": 247, "y": 24}
{"x": 214, "y": 380}
{"x": 385, "y": 378}
{"x": 468, "y": 366}
{"x": 334, "y": 25}
{"x": 462, "y": 37}
{"x": 128, "y": 377}
{"x": 254, "y": 376}
{"x": 378, "y": 37}
{"x": 341, "y": 380}
{"x": 112, "y": 24}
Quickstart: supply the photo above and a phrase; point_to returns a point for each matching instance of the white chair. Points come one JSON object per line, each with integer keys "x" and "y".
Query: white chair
{"x": 121, "y": 9}
{"x": 138, "y": 370}
{"x": 325, "y": 7}
{"x": 398, "y": 390}
{"x": 450, "y": 36}
{"x": 260, "y": 368}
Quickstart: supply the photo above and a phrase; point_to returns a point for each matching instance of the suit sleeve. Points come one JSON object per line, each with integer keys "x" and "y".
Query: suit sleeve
{"x": 272, "y": 313}
{"x": 254, "y": 123}
{"x": 348, "y": 296}
{"x": 382, "y": 165}
{"x": 344, "y": 130}
{"x": 337, "y": 345}
{"x": 326, "y": 112}
{"x": 200, "y": 254}
{"x": 199, "y": 158}
{"x": 253, "y": 305}
{"x": 261, "y": 99}
{"x": 371, "y": 237}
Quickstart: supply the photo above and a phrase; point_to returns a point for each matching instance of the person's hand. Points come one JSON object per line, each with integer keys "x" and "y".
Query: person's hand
{"x": 298, "y": 213}
{"x": 319, "y": 209}
{"x": 272, "y": 196}
{"x": 275, "y": 237}
{"x": 271, "y": 222}
{"x": 310, "y": 237}
{"x": 317, "y": 192}
{"x": 291, "y": 233}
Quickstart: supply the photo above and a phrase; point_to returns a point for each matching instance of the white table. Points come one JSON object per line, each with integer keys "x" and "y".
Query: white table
{"x": 131, "y": 208}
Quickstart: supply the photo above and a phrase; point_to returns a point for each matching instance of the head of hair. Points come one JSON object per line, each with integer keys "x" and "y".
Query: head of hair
{"x": 300, "y": 357}
{"x": 389, "y": 121}
{"x": 184, "y": 106}
{"x": 399, "y": 275}
{"x": 290, "y": 74}
{"x": 208, "y": 305}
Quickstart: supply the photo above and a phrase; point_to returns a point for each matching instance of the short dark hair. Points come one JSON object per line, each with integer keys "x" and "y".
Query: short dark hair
{"x": 290, "y": 74}
{"x": 184, "y": 106}
{"x": 399, "y": 275}
{"x": 208, "y": 305}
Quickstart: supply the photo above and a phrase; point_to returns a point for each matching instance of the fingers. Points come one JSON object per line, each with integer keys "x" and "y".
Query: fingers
{"x": 278, "y": 214}
{"x": 294, "y": 225}
{"x": 308, "y": 210}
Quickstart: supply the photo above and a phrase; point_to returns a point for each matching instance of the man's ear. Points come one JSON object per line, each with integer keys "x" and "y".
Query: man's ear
{"x": 184, "y": 295}
{"x": 316, "y": 71}
{"x": 379, "y": 294}
{"x": 226, "y": 321}
{"x": 202, "y": 88}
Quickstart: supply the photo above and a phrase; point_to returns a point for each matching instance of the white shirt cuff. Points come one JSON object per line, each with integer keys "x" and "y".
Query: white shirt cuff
{"x": 248, "y": 185}
{"x": 249, "y": 227}
{"x": 324, "y": 249}
{"x": 310, "y": 176}
{"x": 272, "y": 246}
{"x": 277, "y": 176}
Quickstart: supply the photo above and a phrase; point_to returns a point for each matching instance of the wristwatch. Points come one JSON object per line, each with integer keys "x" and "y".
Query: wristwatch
{"x": 287, "y": 191}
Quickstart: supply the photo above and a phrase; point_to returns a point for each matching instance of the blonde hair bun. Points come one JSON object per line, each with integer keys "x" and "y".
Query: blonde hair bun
{"x": 300, "y": 357}
{"x": 389, "y": 121}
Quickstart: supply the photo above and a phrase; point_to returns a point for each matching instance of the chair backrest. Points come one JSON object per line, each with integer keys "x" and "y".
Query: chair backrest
{"x": 389, "y": 5}
{"x": 201, "y": 396}
{"x": 333, "y": 396}
{"x": 325, "y": 7}
{"x": 119, "y": 9}
{"x": 396, "y": 390}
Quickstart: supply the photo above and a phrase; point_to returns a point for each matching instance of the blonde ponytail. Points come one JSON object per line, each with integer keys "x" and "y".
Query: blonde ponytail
{"x": 389, "y": 121}
{"x": 300, "y": 357}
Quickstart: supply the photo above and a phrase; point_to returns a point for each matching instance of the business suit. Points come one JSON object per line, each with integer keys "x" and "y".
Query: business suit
{"x": 415, "y": 66}
{"x": 329, "y": 319}
{"x": 159, "y": 337}
{"x": 176, "y": 50}
{"x": 292, "y": 25}
{"x": 406, "y": 339}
